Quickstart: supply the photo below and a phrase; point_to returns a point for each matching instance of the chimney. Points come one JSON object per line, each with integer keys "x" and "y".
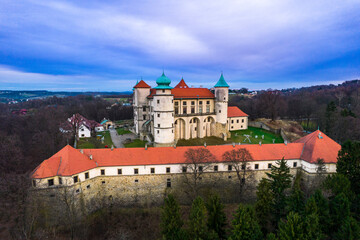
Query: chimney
{"x": 145, "y": 146}
{"x": 174, "y": 145}
{"x": 91, "y": 157}
{"x": 82, "y": 151}
{"x": 260, "y": 143}
{"x": 233, "y": 144}
{"x": 204, "y": 144}
{"x": 112, "y": 147}
{"x": 285, "y": 142}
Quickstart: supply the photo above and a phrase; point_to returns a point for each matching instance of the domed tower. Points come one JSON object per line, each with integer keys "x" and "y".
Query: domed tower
{"x": 221, "y": 103}
{"x": 163, "y": 108}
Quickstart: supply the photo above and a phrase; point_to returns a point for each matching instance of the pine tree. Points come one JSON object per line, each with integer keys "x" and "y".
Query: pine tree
{"x": 322, "y": 205}
{"x": 216, "y": 216}
{"x": 197, "y": 220}
{"x": 171, "y": 223}
{"x": 349, "y": 230}
{"x": 280, "y": 180}
{"x": 296, "y": 199}
{"x": 244, "y": 225}
{"x": 292, "y": 228}
{"x": 263, "y": 205}
{"x": 312, "y": 229}
{"x": 339, "y": 211}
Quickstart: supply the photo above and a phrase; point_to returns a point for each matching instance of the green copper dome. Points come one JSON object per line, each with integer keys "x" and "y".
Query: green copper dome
{"x": 221, "y": 82}
{"x": 163, "y": 82}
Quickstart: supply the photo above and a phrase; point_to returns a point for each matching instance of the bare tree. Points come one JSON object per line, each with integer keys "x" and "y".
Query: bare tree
{"x": 197, "y": 162}
{"x": 239, "y": 159}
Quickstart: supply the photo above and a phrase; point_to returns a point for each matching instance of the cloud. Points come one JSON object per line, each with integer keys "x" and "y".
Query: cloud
{"x": 252, "y": 41}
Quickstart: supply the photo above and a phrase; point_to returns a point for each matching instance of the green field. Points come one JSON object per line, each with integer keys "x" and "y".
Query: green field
{"x": 94, "y": 142}
{"x": 238, "y": 136}
{"x": 122, "y": 131}
{"x": 201, "y": 141}
{"x": 136, "y": 143}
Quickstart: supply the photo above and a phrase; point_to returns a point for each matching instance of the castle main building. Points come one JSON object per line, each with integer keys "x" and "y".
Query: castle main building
{"x": 164, "y": 114}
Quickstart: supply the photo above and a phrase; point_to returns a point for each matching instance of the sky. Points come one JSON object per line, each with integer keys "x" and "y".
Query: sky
{"x": 109, "y": 45}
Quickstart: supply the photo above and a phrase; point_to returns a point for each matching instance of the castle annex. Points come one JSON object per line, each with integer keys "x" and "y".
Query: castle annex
{"x": 164, "y": 114}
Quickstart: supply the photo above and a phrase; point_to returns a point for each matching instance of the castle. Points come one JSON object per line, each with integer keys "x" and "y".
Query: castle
{"x": 164, "y": 114}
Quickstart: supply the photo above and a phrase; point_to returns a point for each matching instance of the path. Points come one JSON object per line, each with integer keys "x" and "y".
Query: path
{"x": 118, "y": 139}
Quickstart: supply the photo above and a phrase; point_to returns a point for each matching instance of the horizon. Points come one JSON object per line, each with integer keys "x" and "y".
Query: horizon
{"x": 67, "y": 46}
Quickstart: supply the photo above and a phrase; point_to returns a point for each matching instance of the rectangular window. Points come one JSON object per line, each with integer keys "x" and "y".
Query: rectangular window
{"x": 192, "y": 102}
{"x": 200, "y": 109}
{"x": 184, "y": 110}
{"x": 216, "y": 168}
{"x": 136, "y": 180}
{"x": 60, "y": 180}
{"x": 158, "y": 114}
{"x": 159, "y": 125}
{"x": 51, "y": 182}
{"x": 102, "y": 171}
{"x": 200, "y": 102}
{"x": 256, "y": 166}
{"x": 34, "y": 182}
{"x": 229, "y": 167}
{"x": 207, "y": 102}
{"x": 192, "y": 109}
{"x": 237, "y": 121}
{"x": 168, "y": 183}
{"x": 200, "y": 168}
{"x": 269, "y": 165}
{"x": 163, "y": 90}
{"x": 167, "y": 170}
{"x": 158, "y": 101}
{"x": 176, "y": 110}
{"x": 232, "y": 121}
{"x": 219, "y": 111}
{"x": 144, "y": 117}
{"x": 86, "y": 175}
{"x": 176, "y": 103}
{"x": 184, "y": 169}
{"x": 119, "y": 171}
{"x": 152, "y": 170}
{"x": 76, "y": 179}
{"x": 184, "y": 103}
{"x": 207, "y": 108}
{"x": 144, "y": 109}
{"x": 243, "y": 166}
{"x": 136, "y": 171}
{"x": 242, "y": 120}
{"x": 158, "y": 131}
{"x": 295, "y": 164}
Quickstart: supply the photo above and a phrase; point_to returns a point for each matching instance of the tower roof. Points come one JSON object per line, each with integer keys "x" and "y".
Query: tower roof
{"x": 221, "y": 82}
{"x": 163, "y": 82}
{"x": 142, "y": 84}
{"x": 182, "y": 84}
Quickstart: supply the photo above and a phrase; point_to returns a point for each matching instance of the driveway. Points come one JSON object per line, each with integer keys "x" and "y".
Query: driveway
{"x": 118, "y": 139}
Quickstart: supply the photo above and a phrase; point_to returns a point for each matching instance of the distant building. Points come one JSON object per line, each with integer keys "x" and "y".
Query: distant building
{"x": 107, "y": 124}
{"x": 82, "y": 125}
{"x": 166, "y": 114}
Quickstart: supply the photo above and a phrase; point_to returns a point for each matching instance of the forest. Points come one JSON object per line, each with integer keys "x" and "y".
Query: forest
{"x": 329, "y": 212}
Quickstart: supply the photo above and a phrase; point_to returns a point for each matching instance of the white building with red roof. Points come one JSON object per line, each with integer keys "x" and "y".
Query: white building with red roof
{"x": 165, "y": 114}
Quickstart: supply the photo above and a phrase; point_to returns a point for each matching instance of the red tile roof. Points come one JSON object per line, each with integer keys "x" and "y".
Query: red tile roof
{"x": 182, "y": 84}
{"x": 318, "y": 145}
{"x": 235, "y": 112}
{"x": 142, "y": 84}
{"x": 188, "y": 93}
{"x": 70, "y": 161}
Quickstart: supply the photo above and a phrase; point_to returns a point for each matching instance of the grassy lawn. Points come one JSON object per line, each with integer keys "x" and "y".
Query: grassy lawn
{"x": 136, "y": 143}
{"x": 238, "y": 136}
{"x": 122, "y": 131}
{"x": 93, "y": 142}
{"x": 201, "y": 141}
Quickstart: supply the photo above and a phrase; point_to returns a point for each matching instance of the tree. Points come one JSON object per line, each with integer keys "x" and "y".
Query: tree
{"x": 245, "y": 225}
{"x": 239, "y": 160}
{"x": 263, "y": 205}
{"x": 339, "y": 210}
{"x": 337, "y": 184}
{"x": 216, "y": 216}
{"x": 197, "y": 220}
{"x": 349, "y": 230}
{"x": 348, "y": 163}
{"x": 329, "y": 115}
{"x": 171, "y": 223}
{"x": 197, "y": 161}
{"x": 280, "y": 180}
{"x": 322, "y": 208}
{"x": 312, "y": 229}
{"x": 296, "y": 199}
{"x": 292, "y": 228}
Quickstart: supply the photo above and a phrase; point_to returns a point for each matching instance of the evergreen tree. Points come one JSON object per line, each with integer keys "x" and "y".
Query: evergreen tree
{"x": 216, "y": 216}
{"x": 348, "y": 163}
{"x": 312, "y": 229}
{"x": 296, "y": 199}
{"x": 337, "y": 184}
{"x": 171, "y": 223}
{"x": 349, "y": 230}
{"x": 292, "y": 228}
{"x": 280, "y": 180}
{"x": 271, "y": 236}
{"x": 339, "y": 210}
{"x": 197, "y": 220}
{"x": 263, "y": 205}
{"x": 244, "y": 225}
{"x": 322, "y": 206}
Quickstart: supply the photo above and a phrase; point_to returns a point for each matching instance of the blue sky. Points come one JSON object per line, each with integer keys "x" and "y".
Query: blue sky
{"x": 109, "y": 45}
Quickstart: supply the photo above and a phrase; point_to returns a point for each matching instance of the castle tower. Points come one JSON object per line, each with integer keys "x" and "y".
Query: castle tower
{"x": 221, "y": 105}
{"x": 141, "y": 106}
{"x": 163, "y": 109}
